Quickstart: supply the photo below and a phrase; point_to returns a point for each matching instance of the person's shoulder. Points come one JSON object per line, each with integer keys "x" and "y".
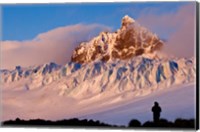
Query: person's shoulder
{"x": 160, "y": 108}
{"x": 152, "y": 107}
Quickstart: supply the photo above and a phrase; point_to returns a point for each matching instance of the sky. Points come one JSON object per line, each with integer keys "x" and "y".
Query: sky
{"x": 24, "y": 22}
{"x": 41, "y": 33}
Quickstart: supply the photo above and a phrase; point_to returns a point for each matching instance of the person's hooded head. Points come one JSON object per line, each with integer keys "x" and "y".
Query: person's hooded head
{"x": 156, "y": 104}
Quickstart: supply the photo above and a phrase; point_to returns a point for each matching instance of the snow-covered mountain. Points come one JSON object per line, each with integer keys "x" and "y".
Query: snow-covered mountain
{"x": 129, "y": 41}
{"x": 128, "y": 70}
{"x": 110, "y": 65}
{"x": 76, "y": 79}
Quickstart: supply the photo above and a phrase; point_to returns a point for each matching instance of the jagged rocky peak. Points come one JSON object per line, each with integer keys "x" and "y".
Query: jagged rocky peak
{"x": 129, "y": 41}
{"x": 126, "y": 20}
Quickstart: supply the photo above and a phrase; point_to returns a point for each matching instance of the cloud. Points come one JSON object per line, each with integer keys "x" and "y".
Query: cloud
{"x": 179, "y": 27}
{"x": 55, "y": 45}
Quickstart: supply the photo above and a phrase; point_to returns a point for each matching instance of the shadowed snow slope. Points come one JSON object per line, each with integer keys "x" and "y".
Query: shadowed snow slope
{"x": 176, "y": 102}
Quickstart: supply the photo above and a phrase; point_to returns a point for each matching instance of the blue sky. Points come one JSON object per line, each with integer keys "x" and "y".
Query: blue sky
{"x": 38, "y": 34}
{"x": 25, "y": 22}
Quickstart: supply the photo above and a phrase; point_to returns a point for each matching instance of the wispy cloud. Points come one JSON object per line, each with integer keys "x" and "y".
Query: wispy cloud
{"x": 53, "y": 46}
{"x": 179, "y": 26}
{"x": 57, "y": 45}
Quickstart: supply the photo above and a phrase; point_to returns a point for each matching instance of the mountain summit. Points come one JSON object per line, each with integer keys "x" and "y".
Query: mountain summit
{"x": 129, "y": 41}
{"x": 126, "y": 20}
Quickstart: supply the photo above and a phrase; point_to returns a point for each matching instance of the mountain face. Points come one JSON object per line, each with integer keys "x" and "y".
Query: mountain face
{"x": 121, "y": 61}
{"x": 129, "y": 41}
{"x": 87, "y": 80}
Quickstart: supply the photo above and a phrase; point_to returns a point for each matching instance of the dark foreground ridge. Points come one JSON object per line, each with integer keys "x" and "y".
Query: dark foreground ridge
{"x": 60, "y": 123}
{"x": 162, "y": 123}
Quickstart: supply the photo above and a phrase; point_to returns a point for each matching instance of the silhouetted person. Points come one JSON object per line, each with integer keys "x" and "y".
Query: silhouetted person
{"x": 156, "y": 112}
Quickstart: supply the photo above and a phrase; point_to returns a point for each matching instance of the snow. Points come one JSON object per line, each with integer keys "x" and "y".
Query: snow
{"x": 176, "y": 102}
{"x": 128, "y": 41}
{"x": 114, "y": 91}
{"x": 135, "y": 74}
{"x": 126, "y": 20}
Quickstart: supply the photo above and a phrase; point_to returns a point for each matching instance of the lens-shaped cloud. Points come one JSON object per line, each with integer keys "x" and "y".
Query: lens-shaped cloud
{"x": 55, "y": 45}
{"x": 179, "y": 26}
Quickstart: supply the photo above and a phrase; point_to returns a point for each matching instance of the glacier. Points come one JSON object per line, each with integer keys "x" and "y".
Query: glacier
{"x": 51, "y": 91}
{"x": 96, "y": 77}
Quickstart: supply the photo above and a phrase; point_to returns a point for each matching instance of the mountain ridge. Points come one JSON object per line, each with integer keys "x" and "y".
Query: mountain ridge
{"x": 87, "y": 80}
{"x": 87, "y": 77}
{"x": 129, "y": 41}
